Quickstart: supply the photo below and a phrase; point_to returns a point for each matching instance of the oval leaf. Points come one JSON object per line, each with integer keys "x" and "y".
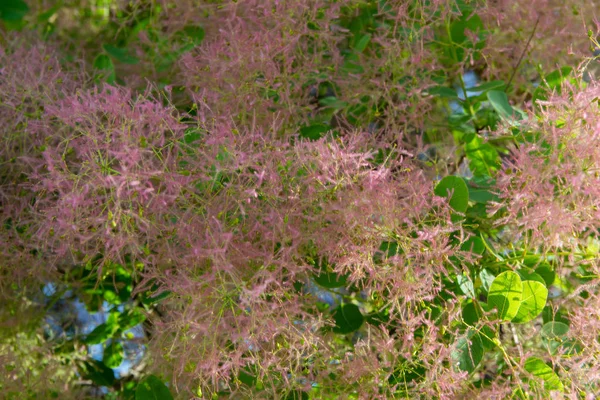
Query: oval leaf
{"x": 330, "y": 280}
{"x": 540, "y": 369}
{"x": 499, "y": 101}
{"x": 100, "y": 334}
{"x": 152, "y": 388}
{"x": 456, "y": 187}
{"x": 505, "y": 294}
{"x": 468, "y": 352}
{"x": 554, "y": 330}
{"x": 347, "y": 318}
{"x": 533, "y": 301}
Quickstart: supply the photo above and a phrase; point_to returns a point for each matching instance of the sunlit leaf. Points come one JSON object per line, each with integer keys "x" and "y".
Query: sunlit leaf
{"x": 113, "y": 355}
{"x": 505, "y": 294}
{"x": 540, "y": 369}
{"x": 533, "y": 301}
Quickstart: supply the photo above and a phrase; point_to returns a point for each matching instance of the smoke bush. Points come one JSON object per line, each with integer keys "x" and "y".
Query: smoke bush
{"x": 306, "y": 199}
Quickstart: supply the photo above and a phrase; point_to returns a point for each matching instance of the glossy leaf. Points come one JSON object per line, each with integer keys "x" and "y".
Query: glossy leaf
{"x": 540, "y": 369}
{"x": 505, "y": 295}
{"x": 533, "y": 301}
{"x": 152, "y": 388}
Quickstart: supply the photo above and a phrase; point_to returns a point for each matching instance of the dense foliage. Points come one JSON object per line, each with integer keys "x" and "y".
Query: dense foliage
{"x": 299, "y": 199}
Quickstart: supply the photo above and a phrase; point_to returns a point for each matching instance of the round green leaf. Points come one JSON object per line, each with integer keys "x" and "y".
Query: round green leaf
{"x": 554, "y": 330}
{"x": 330, "y": 280}
{"x": 540, "y": 369}
{"x": 456, "y": 187}
{"x": 533, "y": 301}
{"x": 347, "y": 318}
{"x": 468, "y": 351}
{"x": 113, "y": 355}
{"x": 505, "y": 294}
{"x": 152, "y": 388}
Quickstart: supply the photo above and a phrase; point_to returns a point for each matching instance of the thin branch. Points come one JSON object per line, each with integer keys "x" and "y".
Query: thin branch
{"x": 522, "y": 55}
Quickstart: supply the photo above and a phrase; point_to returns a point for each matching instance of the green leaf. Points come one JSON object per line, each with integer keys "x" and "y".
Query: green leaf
{"x": 468, "y": 351}
{"x": 483, "y": 158}
{"x": 194, "y": 33}
{"x": 499, "y": 101}
{"x": 554, "y": 330}
{"x": 530, "y": 276}
{"x": 540, "y": 369}
{"x": 100, "y": 334}
{"x": 554, "y": 335}
{"x": 347, "y": 318}
{"x": 486, "y": 278}
{"x": 456, "y": 187}
{"x": 466, "y": 285}
{"x": 120, "y": 54}
{"x": 102, "y": 61}
{"x": 362, "y": 43}
{"x": 13, "y": 10}
{"x": 297, "y": 395}
{"x": 485, "y": 87}
{"x": 505, "y": 294}
{"x": 152, "y": 388}
{"x": 474, "y": 244}
{"x": 546, "y": 271}
{"x": 333, "y": 102}
{"x": 104, "y": 64}
{"x": 471, "y": 314}
{"x": 533, "y": 301}
{"x": 314, "y": 131}
{"x": 555, "y": 78}
{"x": 98, "y": 373}
{"x": 130, "y": 319}
{"x": 330, "y": 280}
{"x": 443, "y": 91}
{"x": 113, "y": 355}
